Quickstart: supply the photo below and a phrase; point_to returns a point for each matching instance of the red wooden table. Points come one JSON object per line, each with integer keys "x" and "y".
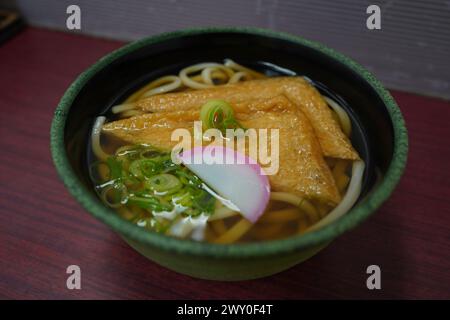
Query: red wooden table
{"x": 43, "y": 229}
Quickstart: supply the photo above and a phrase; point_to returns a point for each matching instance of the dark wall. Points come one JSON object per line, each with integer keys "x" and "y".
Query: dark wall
{"x": 410, "y": 52}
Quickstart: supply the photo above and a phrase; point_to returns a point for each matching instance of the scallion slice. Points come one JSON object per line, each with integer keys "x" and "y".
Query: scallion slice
{"x": 164, "y": 183}
{"x": 218, "y": 114}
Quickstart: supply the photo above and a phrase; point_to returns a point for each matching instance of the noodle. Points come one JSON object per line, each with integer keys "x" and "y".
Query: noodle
{"x": 95, "y": 139}
{"x": 283, "y": 215}
{"x": 219, "y": 227}
{"x": 188, "y": 82}
{"x": 123, "y": 107}
{"x": 222, "y": 213}
{"x": 349, "y": 199}
{"x": 339, "y": 174}
{"x": 219, "y": 75}
{"x": 235, "y": 232}
{"x": 206, "y": 73}
{"x": 130, "y": 113}
{"x": 268, "y": 231}
{"x": 237, "y": 67}
{"x": 175, "y": 84}
{"x": 160, "y": 85}
{"x": 297, "y": 201}
{"x": 238, "y": 76}
{"x": 342, "y": 115}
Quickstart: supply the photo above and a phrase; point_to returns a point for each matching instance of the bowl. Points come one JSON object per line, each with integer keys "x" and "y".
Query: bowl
{"x": 380, "y": 137}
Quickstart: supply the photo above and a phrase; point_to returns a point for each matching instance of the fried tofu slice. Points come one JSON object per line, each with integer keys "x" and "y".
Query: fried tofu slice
{"x": 303, "y": 95}
{"x": 142, "y": 129}
{"x": 278, "y": 103}
{"x": 302, "y": 169}
{"x": 152, "y": 128}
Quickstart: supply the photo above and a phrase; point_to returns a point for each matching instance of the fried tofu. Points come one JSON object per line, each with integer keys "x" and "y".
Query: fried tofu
{"x": 302, "y": 168}
{"x": 304, "y": 96}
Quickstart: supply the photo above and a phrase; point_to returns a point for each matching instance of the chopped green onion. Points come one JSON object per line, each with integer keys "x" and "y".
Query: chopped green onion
{"x": 143, "y": 167}
{"x": 114, "y": 195}
{"x": 115, "y": 168}
{"x": 149, "y": 203}
{"x": 188, "y": 178}
{"x": 148, "y": 167}
{"x": 183, "y": 198}
{"x": 218, "y": 114}
{"x": 203, "y": 201}
{"x": 164, "y": 182}
{"x": 143, "y": 178}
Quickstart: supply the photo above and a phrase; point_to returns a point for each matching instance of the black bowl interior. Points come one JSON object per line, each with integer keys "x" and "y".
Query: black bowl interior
{"x": 372, "y": 132}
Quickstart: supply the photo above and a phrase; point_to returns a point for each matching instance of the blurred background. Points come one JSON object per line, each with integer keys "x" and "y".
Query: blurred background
{"x": 411, "y": 51}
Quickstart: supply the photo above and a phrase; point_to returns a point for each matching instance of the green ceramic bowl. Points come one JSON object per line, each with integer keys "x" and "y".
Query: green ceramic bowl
{"x": 379, "y": 135}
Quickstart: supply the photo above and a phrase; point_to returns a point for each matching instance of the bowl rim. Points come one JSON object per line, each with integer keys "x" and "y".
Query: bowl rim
{"x": 356, "y": 215}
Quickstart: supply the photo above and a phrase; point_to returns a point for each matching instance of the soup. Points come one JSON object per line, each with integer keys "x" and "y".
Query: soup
{"x": 139, "y": 172}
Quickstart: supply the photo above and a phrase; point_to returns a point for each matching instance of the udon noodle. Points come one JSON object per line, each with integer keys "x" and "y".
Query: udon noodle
{"x": 287, "y": 213}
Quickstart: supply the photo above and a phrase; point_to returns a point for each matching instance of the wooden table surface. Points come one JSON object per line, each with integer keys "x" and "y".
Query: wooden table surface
{"x": 43, "y": 229}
